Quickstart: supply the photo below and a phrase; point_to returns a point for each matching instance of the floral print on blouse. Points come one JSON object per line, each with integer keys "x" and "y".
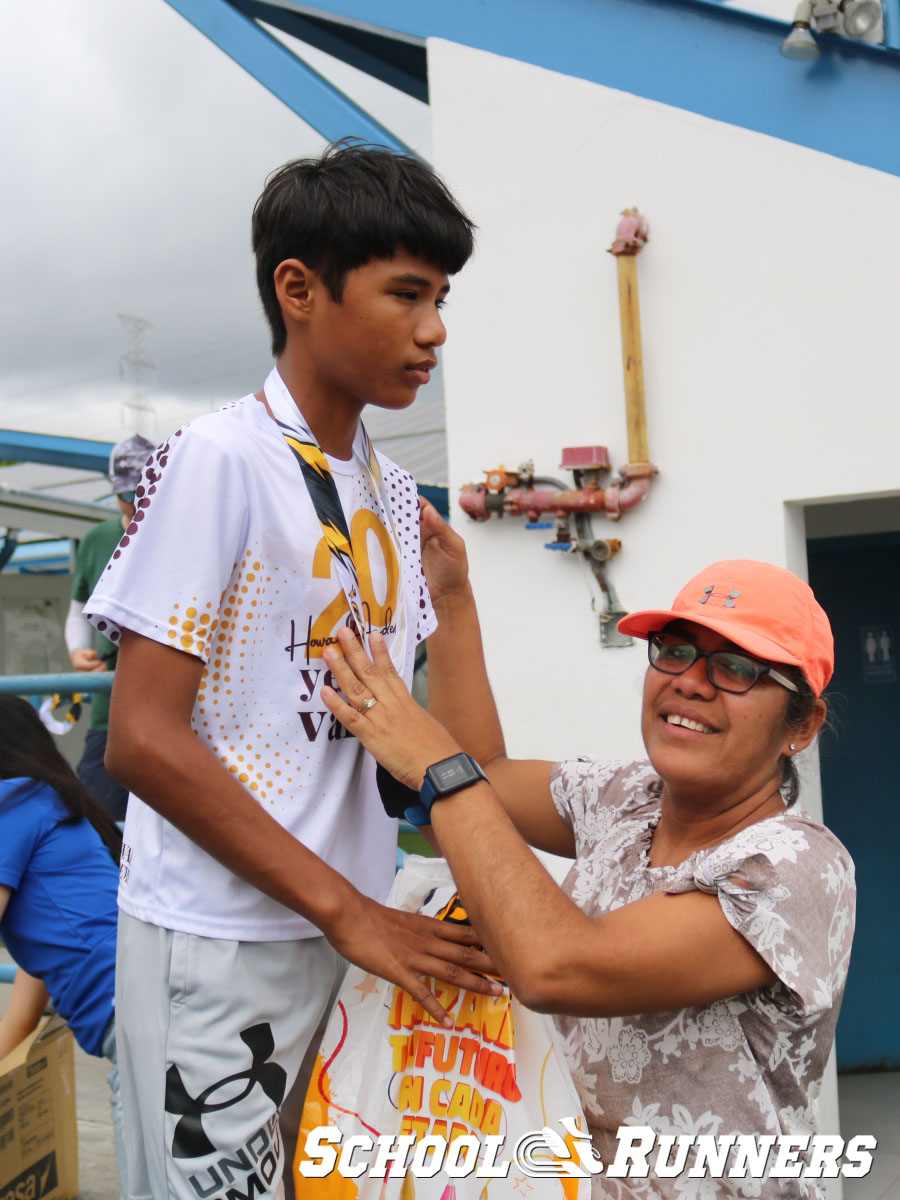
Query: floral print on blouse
{"x": 751, "y": 1064}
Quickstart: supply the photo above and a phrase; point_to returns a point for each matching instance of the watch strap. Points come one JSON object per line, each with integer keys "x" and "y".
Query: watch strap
{"x": 430, "y": 791}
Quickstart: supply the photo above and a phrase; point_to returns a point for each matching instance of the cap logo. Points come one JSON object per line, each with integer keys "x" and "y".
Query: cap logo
{"x": 709, "y": 593}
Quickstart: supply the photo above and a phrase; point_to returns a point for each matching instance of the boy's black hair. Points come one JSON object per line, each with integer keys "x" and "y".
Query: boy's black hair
{"x": 354, "y": 204}
{"x": 28, "y": 752}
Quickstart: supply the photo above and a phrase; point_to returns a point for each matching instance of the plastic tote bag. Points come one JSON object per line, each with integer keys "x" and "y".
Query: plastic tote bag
{"x": 402, "y": 1108}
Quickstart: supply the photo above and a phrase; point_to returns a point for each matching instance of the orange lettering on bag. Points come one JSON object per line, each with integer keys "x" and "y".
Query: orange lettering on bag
{"x": 405, "y": 1011}
{"x": 443, "y": 1062}
{"x": 469, "y": 1048}
{"x": 495, "y": 1071}
{"x": 497, "y": 1026}
{"x": 409, "y": 1094}
{"x": 457, "y": 1131}
{"x": 437, "y": 1100}
{"x": 460, "y": 1101}
{"x": 492, "y": 1070}
{"x": 424, "y": 1046}
{"x": 490, "y": 1122}
{"x": 446, "y": 994}
{"x": 399, "y": 1051}
{"x": 510, "y": 1087}
{"x": 469, "y": 1015}
{"x": 417, "y": 1126}
{"x": 396, "y": 1002}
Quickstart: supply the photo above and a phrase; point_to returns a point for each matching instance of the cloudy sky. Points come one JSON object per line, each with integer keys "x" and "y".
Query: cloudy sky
{"x": 134, "y": 150}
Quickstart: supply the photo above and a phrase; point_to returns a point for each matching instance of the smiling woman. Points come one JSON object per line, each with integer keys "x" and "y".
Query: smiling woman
{"x": 697, "y": 952}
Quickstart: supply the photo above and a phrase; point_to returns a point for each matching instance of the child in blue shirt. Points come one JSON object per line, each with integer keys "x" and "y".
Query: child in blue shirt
{"x": 58, "y": 879}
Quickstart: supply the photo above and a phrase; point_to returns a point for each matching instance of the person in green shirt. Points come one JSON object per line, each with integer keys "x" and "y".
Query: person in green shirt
{"x": 89, "y": 650}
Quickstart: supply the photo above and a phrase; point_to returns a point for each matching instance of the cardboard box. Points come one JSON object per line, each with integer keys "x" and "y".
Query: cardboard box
{"x": 38, "y": 1131}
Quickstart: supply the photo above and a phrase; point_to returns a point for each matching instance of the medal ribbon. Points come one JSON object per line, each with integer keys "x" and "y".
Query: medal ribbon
{"x": 327, "y": 503}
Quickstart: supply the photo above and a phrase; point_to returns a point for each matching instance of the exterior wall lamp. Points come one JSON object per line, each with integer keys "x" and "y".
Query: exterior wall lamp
{"x": 861, "y": 20}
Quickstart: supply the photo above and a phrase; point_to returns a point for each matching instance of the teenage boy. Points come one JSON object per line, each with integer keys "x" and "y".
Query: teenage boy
{"x": 255, "y": 826}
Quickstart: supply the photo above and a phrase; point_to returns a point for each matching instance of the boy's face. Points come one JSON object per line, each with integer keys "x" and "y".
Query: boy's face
{"x": 378, "y": 345}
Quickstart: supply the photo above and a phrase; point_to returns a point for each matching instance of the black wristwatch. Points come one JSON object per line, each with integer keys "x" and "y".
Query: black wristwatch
{"x": 443, "y": 779}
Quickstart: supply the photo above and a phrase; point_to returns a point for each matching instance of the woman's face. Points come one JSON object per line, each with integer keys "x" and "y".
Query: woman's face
{"x": 733, "y": 742}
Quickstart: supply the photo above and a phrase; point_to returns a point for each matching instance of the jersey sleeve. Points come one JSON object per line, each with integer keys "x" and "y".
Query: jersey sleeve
{"x": 166, "y": 578}
{"x": 19, "y": 836}
{"x": 404, "y": 501}
{"x": 789, "y": 890}
{"x": 427, "y": 621}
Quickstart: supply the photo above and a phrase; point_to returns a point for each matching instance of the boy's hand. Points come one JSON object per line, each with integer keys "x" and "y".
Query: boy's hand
{"x": 443, "y": 553}
{"x": 402, "y": 947}
{"x": 397, "y": 945}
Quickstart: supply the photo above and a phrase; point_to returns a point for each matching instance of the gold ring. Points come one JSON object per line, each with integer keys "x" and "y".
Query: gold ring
{"x": 368, "y": 703}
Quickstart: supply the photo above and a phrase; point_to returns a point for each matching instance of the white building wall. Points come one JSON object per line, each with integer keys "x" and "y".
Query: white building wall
{"x": 769, "y": 300}
{"x": 769, "y": 289}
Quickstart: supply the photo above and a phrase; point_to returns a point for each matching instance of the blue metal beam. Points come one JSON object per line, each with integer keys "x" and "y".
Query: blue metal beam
{"x": 80, "y": 453}
{"x": 717, "y": 61}
{"x": 307, "y": 93}
{"x": 398, "y": 63}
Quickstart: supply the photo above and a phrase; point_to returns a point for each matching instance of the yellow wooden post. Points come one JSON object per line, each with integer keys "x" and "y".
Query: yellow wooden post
{"x": 631, "y": 235}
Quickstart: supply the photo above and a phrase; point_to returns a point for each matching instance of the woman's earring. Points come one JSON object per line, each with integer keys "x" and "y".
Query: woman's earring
{"x": 793, "y": 747}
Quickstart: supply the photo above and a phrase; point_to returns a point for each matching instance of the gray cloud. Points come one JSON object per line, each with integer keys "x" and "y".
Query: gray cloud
{"x": 133, "y": 152}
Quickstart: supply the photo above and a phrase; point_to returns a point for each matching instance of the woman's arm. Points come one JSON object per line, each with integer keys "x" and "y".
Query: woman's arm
{"x": 659, "y": 953}
{"x": 460, "y": 697}
{"x": 27, "y": 1003}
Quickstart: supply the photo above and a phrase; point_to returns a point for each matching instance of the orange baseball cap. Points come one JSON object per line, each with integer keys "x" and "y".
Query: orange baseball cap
{"x": 766, "y": 610}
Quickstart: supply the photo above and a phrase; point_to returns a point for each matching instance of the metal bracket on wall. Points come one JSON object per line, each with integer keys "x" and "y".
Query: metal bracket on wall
{"x": 612, "y": 610}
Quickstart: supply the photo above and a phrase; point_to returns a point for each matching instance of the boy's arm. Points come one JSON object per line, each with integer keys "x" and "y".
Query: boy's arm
{"x": 460, "y": 697}
{"x": 153, "y": 750}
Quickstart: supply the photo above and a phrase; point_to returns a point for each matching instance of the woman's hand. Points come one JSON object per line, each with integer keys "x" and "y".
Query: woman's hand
{"x": 395, "y": 730}
{"x": 443, "y": 554}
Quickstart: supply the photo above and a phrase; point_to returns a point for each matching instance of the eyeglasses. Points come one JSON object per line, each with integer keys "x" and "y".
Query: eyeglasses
{"x": 127, "y": 497}
{"x": 725, "y": 670}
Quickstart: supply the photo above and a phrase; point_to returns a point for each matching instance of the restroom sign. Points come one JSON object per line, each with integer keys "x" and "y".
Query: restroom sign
{"x": 879, "y": 654}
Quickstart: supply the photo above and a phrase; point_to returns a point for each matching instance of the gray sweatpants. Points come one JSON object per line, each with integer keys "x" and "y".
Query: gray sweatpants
{"x": 211, "y": 1035}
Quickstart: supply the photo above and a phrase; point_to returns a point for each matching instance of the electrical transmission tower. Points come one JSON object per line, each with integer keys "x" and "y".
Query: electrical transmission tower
{"x": 139, "y": 368}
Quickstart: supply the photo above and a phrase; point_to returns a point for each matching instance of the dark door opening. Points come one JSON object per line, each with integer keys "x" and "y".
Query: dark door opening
{"x": 857, "y": 581}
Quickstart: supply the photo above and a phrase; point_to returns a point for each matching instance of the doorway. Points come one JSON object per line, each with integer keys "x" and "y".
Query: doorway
{"x": 856, "y": 578}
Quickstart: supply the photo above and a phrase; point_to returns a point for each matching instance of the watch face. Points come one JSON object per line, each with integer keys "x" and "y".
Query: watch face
{"x": 453, "y": 773}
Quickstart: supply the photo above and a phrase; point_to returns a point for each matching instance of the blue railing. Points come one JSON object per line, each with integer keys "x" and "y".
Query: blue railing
{"x": 67, "y": 684}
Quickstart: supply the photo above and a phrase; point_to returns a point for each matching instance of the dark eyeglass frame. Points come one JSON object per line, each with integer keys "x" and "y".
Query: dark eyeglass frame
{"x": 709, "y": 655}
{"x": 127, "y": 497}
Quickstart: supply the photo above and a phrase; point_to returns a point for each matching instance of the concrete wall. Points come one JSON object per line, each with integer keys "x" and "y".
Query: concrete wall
{"x": 769, "y": 296}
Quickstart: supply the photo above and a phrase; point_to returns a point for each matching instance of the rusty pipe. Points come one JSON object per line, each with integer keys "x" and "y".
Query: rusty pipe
{"x": 612, "y": 501}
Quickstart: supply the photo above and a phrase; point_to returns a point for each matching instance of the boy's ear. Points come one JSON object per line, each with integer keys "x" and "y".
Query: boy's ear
{"x": 294, "y": 286}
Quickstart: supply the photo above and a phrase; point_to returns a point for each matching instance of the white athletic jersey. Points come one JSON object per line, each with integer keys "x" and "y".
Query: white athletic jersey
{"x": 226, "y": 560}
